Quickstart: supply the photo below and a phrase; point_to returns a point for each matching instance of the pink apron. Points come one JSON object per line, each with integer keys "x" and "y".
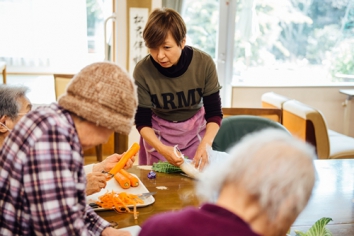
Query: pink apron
{"x": 187, "y": 135}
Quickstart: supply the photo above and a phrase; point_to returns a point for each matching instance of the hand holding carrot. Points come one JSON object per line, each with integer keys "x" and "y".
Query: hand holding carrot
{"x": 108, "y": 163}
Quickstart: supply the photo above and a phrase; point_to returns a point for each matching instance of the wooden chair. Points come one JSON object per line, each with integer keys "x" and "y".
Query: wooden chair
{"x": 273, "y": 100}
{"x": 270, "y": 113}
{"x": 60, "y": 83}
{"x": 309, "y": 124}
{"x": 3, "y": 69}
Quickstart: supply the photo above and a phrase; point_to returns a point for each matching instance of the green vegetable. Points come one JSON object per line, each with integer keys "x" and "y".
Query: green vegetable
{"x": 318, "y": 229}
{"x": 165, "y": 167}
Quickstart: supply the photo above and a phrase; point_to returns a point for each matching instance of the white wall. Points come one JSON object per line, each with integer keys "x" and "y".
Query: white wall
{"x": 134, "y": 136}
{"x": 324, "y": 98}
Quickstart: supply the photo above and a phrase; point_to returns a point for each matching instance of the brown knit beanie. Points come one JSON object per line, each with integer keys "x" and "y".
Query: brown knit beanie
{"x": 104, "y": 94}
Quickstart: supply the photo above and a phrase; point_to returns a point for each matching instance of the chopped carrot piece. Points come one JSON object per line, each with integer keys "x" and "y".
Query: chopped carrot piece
{"x": 120, "y": 202}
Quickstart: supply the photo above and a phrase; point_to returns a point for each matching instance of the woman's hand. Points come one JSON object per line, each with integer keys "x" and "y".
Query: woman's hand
{"x": 108, "y": 163}
{"x": 169, "y": 153}
{"x": 201, "y": 158}
{"x": 95, "y": 182}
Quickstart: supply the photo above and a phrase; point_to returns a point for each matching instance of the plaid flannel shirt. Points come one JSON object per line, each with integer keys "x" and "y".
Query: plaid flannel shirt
{"x": 42, "y": 180}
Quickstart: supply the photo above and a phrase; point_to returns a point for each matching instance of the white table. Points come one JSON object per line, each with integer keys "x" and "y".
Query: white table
{"x": 347, "y": 104}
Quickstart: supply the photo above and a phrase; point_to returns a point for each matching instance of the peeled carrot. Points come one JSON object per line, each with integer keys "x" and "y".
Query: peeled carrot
{"x": 134, "y": 181}
{"x": 123, "y": 181}
{"x": 132, "y": 151}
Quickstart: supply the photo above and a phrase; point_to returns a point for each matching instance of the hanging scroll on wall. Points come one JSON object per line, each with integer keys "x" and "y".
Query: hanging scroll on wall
{"x": 137, "y": 14}
{"x": 137, "y": 49}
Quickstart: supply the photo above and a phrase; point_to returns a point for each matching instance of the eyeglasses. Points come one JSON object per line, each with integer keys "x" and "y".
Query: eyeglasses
{"x": 18, "y": 114}
{"x": 5, "y": 126}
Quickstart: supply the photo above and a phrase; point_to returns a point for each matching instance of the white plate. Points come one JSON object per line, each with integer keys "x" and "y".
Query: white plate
{"x": 112, "y": 184}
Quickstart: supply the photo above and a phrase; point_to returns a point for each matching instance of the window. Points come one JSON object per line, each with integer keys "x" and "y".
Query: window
{"x": 202, "y": 19}
{"x": 52, "y": 36}
{"x": 285, "y": 42}
{"x": 97, "y": 11}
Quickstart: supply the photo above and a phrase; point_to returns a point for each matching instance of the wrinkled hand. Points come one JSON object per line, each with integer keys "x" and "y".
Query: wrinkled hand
{"x": 169, "y": 154}
{"x": 108, "y": 163}
{"x": 116, "y": 232}
{"x": 95, "y": 182}
{"x": 201, "y": 158}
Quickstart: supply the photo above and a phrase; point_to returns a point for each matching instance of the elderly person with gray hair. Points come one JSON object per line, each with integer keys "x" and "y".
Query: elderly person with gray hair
{"x": 13, "y": 106}
{"x": 42, "y": 180}
{"x": 259, "y": 190}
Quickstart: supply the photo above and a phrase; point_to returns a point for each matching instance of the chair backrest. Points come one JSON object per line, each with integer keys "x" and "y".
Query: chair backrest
{"x": 234, "y": 128}
{"x": 270, "y": 113}
{"x": 308, "y": 124}
{"x": 271, "y": 99}
{"x": 60, "y": 83}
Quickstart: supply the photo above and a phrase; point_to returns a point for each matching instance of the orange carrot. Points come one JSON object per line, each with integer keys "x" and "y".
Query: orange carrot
{"x": 120, "y": 202}
{"x": 123, "y": 181}
{"x": 134, "y": 181}
{"x": 121, "y": 163}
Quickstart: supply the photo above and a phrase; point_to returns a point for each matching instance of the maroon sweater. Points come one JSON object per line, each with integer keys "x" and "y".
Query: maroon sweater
{"x": 209, "y": 220}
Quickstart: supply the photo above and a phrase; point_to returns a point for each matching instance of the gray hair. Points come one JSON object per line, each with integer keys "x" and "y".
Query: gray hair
{"x": 273, "y": 167}
{"x": 9, "y": 96}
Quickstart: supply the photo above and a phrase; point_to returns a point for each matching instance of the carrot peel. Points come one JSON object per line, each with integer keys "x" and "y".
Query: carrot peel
{"x": 120, "y": 202}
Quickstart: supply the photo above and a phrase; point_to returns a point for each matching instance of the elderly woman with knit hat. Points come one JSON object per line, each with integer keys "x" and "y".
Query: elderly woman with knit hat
{"x": 42, "y": 180}
{"x": 14, "y": 104}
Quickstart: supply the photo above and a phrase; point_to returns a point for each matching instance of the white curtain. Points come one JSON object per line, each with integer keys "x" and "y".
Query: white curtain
{"x": 247, "y": 25}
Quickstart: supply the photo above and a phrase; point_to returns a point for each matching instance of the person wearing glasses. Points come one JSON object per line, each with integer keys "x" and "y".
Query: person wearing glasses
{"x": 178, "y": 89}
{"x": 42, "y": 179}
{"x": 14, "y": 104}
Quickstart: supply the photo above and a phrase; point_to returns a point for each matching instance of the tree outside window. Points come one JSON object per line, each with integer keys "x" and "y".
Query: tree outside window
{"x": 289, "y": 40}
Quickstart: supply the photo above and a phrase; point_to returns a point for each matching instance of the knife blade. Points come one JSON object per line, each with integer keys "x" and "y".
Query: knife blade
{"x": 145, "y": 195}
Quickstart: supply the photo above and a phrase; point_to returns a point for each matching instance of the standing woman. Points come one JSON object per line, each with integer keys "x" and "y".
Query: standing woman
{"x": 178, "y": 91}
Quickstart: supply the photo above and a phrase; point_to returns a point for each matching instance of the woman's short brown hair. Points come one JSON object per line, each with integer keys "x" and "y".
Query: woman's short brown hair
{"x": 160, "y": 22}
